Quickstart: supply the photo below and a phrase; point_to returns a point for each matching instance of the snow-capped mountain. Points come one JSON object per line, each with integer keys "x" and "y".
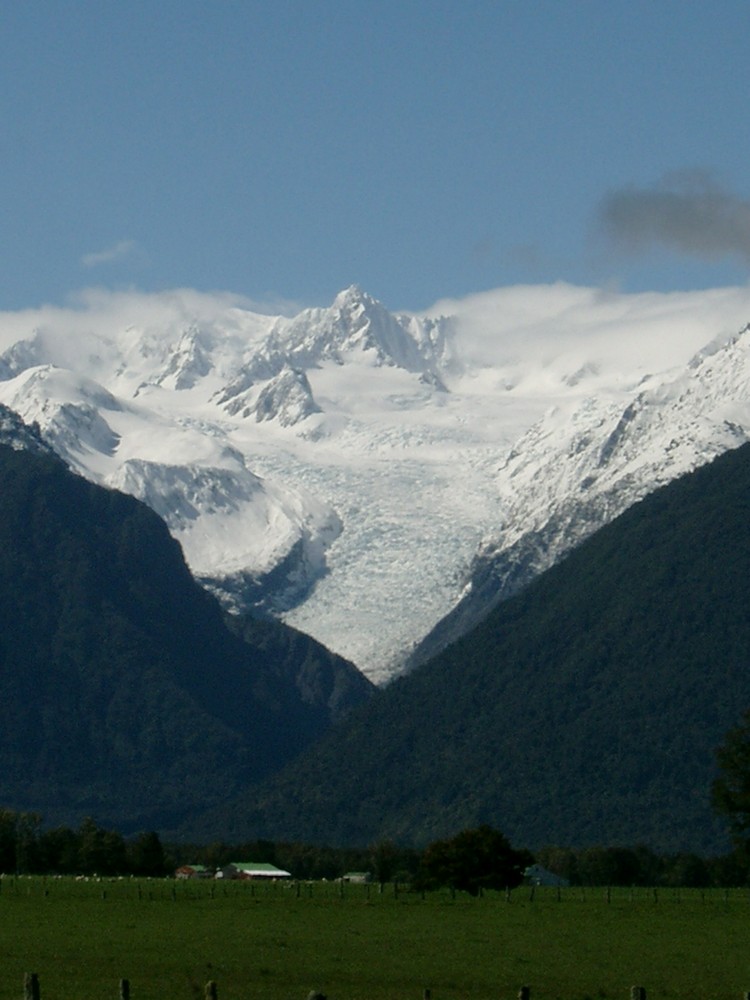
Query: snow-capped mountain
{"x": 361, "y": 473}
{"x": 354, "y": 325}
{"x": 572, "y": 472}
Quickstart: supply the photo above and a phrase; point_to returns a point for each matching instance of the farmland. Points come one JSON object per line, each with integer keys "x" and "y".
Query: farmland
{"x": 279, "y": 941}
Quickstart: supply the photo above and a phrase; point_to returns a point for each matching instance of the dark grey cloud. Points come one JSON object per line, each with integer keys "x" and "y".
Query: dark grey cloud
{"x": 688, "y": 212}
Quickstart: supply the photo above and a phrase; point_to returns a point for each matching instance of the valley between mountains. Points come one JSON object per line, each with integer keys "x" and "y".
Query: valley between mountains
{"x": 381, "y": 480}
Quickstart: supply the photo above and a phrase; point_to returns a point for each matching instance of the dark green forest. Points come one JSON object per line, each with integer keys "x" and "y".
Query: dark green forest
{"x": 585, "y": 711}
{"x": 124, "y": 693}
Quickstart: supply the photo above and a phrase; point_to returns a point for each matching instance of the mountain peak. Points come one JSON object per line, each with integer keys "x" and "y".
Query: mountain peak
{"x": 354, "y": 311}
{"x": 352, "y": 295}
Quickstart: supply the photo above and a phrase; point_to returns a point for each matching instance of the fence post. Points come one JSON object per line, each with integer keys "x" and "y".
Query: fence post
{"x": 210, "y": 992}
{"x": 427, "y": 995}
{"x": 124, "y": 989}
{"x": 31, "y": 986}
{"x": 637, "y": 993}
{"x": 524, "y": 993}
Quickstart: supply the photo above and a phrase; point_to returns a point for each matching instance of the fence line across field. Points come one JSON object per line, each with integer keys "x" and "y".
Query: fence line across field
{"x": 31, "y": 991}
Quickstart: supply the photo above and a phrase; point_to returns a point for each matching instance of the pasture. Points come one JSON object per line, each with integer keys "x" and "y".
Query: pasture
{"x": 278, "y": 941}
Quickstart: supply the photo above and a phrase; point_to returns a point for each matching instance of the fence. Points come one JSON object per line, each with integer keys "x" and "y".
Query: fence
{"x": 31, "y": 991}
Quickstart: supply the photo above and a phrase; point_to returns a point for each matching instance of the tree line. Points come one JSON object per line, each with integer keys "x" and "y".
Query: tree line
{"x": 640, "y": 866}
{"x": 471, "y": 861}
{"x": 26, "y": 848}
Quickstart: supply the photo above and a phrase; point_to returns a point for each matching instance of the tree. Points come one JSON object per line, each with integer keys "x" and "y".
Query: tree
{"x": 473, "y": 860}
{"x": 8, "y": 840}
{"x": 384, "y": 855}
{"x": 145, "y": 855}
{"x": 28, "y": 854}
{"x": 19, "y": 841}
{"x": 100, "y": 852}
{"x": 59, "y": 851}
{"x": 730, "y": 792}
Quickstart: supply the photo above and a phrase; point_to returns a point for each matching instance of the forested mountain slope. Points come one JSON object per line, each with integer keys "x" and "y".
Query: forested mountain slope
{"x": 124, "y": 694}
{"x": 585, "y": 710}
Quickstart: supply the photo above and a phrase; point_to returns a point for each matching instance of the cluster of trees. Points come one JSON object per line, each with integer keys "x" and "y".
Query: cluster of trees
{"x": 472, "y": 861}
{"x": 730, "y": 793}
{"x": 639, "y": 865}
{"x": 26, "y": 847}
{"x": 89, "y": 850}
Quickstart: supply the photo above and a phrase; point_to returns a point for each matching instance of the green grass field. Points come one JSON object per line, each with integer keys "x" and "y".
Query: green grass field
{"x": 278, "y": 942}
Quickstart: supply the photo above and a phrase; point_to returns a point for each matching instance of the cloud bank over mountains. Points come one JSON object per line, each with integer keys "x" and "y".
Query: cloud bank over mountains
{"x": 497, "y": 324}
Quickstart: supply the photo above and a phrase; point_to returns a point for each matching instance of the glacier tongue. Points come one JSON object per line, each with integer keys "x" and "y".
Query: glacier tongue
{"x": 363, "y": 474}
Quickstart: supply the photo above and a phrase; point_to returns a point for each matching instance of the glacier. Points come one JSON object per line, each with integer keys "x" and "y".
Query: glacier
{"x": 379, "y": 479}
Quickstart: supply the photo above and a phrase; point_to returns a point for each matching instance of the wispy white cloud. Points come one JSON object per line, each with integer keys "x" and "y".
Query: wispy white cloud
{"x": 118, "y": 251}
{"x": 567, "y": 322}
{"x": 560, "y": 325}
{"x": 688, "y": 212}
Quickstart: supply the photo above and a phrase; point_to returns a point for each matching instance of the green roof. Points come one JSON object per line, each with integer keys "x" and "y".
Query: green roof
{"x": 258, "y": 866}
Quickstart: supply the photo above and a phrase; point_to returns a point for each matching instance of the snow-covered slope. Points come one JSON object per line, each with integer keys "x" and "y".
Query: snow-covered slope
{"x": 359, "y": 472}
{"x": 579, "y": 467}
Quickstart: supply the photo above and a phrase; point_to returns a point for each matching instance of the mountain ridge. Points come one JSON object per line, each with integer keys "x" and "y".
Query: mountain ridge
{"x": 362, "y": 474}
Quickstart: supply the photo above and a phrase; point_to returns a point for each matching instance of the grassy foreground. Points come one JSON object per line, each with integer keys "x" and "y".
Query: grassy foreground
{"x": 278, "y": 942}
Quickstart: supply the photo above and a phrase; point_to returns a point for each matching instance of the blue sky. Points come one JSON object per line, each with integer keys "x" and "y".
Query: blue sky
{"x": 283, "y": 150}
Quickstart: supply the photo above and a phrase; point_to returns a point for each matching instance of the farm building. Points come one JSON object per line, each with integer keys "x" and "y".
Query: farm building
{"x": 252, "y": 869}
{"x": 356, "y": 877}
{"x": 537, "y": 875}
{"x": 193, "y": 871}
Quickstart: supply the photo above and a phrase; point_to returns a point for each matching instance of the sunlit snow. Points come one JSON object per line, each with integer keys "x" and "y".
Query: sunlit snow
{"x": 344, "y": 466}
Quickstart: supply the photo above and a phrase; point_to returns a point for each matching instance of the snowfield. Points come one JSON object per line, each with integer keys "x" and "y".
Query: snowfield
{"x": 347, "y": 468}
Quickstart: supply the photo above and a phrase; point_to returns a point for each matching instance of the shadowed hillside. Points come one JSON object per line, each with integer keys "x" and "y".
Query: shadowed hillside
{"x": 586, "y": 710}
{"x": 124, "y": 694}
